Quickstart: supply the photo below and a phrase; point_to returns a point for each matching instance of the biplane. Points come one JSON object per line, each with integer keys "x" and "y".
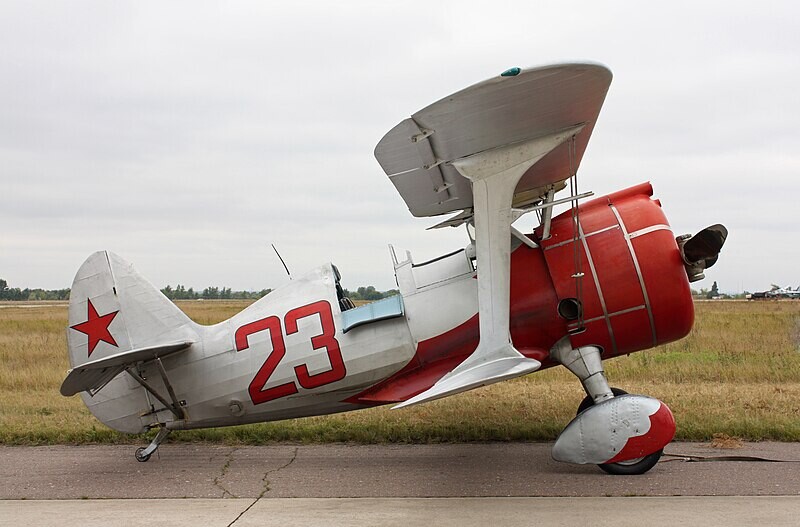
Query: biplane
{"x": 606, "y": 277}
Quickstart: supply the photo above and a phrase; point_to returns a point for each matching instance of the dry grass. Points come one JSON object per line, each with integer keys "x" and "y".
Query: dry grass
{"x": 737, "y": 376}
{"x": 726, "y": 442}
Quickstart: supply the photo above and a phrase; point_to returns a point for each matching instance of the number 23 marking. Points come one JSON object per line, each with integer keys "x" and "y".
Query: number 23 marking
{"x": 326, "y": 340}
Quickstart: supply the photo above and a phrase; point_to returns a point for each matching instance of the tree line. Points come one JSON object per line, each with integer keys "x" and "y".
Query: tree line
{"x": 215, "y": 293}
{"x": 211, "y": 293}
{"x": 180, "y": 292}
{"x": 369, "y": 293}
{"x": 15, "y": 293}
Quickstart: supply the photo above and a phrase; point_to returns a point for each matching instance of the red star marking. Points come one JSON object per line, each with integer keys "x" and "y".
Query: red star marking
{"x": 97, "y": 328}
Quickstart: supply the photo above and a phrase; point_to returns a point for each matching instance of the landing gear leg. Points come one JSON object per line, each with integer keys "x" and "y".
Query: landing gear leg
{"x": 586, "y": 364}
{"x": 142, "y": 454}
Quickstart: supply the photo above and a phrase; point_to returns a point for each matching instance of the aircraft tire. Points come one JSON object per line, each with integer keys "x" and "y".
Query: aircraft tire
{"x": 634, "y": 467}
{"x": 141, "y": 458}
{"x": 588, "y": 401}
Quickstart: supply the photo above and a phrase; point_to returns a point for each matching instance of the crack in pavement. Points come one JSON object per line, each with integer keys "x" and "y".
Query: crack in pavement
{"x": 265, "y": 485}
{"x": 225, "y": 468}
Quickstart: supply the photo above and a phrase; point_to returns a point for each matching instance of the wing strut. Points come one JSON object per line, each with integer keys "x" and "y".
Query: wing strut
{"x": 494, "y": 175}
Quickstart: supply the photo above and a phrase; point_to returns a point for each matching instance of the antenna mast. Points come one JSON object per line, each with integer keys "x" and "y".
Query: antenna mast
{"x": 281, "y": 259}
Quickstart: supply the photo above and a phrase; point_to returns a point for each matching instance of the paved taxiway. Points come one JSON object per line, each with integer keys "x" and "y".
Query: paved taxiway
{"x": 387, "y": 485}
{"x": 772, "y": 511}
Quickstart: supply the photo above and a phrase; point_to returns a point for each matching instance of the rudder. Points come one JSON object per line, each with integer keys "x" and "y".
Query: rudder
{"x": 113, "y": 309}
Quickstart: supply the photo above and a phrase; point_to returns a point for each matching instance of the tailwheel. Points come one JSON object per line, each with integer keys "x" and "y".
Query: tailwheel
{"x": 143, "y": 453}
{"x": 141, "y": 457}
{"x": 631, "y": 467}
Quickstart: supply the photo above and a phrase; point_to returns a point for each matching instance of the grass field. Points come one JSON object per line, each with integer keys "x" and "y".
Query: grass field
{"x": 738, "y": 374}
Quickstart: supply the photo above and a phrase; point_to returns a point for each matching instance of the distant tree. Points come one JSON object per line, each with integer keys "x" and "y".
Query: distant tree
{"x": 62, "y": 294}
{"x": 369, "y": 293}
{"x": 37, "y": 294}
{"x": 210, "y": 293}
{"x": 714, "y": 291}
{"x": 13, "y": 293}
{"x": 182, "y": 293}
{"x": 179, "y": 293}
{"x": 19, "y": 294}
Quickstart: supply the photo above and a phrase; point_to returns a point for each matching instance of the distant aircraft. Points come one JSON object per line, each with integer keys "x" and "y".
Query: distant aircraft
{"x": 605, "y": 278}
{"x": 782, "y": 292}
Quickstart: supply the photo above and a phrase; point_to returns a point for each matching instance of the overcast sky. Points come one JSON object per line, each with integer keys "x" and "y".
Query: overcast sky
{"x": 188, "y": 136}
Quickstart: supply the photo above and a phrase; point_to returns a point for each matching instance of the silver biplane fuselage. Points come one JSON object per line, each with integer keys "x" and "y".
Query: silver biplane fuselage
{"x": 307, "y": 357}
{"x": 606, "y": 278}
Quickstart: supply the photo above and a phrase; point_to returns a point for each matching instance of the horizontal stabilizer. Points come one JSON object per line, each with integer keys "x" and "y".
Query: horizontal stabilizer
{"x": 93, "y": 375}
{"x": 482, "y": 374}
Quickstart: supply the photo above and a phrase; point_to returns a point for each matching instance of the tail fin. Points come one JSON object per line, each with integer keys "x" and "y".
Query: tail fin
{"x": 116, "y": 317}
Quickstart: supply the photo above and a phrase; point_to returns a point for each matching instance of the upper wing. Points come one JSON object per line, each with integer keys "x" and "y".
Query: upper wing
{"x": 418, "y": 152}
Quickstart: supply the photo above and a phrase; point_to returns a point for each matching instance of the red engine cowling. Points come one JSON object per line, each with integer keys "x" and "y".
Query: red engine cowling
{"x": 634, "y": 293}
{"x": 634, "y": 290}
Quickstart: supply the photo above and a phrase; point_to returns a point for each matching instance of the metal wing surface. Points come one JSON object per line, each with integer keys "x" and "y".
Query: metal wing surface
{"x": 95, "y": 374}
{"x": 416, "y": 154}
